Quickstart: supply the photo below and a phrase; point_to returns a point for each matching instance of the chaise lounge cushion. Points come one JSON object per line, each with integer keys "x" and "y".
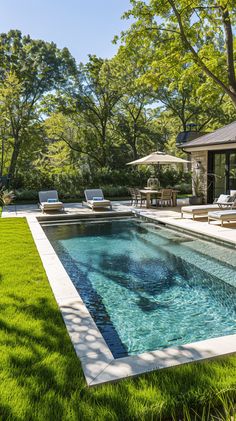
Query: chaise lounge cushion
{"x": 199, "y": 209}
{"x": 99, "y": 203}
{"x": 51, "y": 205}
{"x": 225, "y": 215}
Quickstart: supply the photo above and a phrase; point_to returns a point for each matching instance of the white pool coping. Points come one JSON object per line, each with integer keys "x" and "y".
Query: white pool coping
{"x": 99, "y": 365}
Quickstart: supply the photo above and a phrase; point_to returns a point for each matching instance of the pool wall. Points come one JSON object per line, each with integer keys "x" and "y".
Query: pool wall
{"x": 97, "y": 361}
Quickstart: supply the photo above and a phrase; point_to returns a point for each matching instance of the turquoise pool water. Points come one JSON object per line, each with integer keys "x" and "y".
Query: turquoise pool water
{"x": 148, "y": 287}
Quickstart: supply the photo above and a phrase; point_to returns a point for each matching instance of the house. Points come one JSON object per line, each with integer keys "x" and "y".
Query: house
{"x": 213, "y": 157}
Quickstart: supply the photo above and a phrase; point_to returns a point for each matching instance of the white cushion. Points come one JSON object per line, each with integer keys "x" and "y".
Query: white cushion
{"x": 220, "y": 214}
{"x": 51, "y": 205}
{"x": 223, "y": 198}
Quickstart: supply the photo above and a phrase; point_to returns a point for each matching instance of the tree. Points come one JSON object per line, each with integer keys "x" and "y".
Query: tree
{"x": 88, "y": 108}
{"x": 135, "y": 116}
{"x": 35, "y": 67}
{"x": 96, "y": 99}
{"x": 192, "y": 36}
{"x": 10, "y": 94}
{"x": 194, "y": 104}
{"x": 71, "y": 129}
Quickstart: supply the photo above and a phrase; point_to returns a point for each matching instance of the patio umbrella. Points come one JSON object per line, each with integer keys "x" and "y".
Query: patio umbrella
{"x": 158, "y": 158}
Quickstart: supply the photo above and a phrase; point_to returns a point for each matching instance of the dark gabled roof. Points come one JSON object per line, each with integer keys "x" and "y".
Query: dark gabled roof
{"x": 222, "y": 136}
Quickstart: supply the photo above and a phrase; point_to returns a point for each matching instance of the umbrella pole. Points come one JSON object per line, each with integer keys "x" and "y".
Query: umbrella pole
{"x": 157, "y": 170}
{"x": 159, "y": 173}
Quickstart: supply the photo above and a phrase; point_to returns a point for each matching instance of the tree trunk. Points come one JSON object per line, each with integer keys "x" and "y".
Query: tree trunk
{"x": 134, "y": 147}
{"x": 229, "y": 42}
{"x": 14, "y": 157}
{"x": 103, "y": 145}
{"x": 2, "y": 157}
{"x": 229, "y": 90}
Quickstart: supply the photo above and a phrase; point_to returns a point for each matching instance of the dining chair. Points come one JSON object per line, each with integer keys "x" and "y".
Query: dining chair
{"x": 166, "y": 197}
{"x": 140, "y": 198}
{"x": 133, "y": 195}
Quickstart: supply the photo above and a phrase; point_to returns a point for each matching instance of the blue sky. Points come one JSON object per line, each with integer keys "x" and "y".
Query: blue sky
{"x": 84, "y": 26}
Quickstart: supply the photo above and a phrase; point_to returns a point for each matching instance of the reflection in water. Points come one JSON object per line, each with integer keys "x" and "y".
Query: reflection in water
{"x": 147, "y": 288}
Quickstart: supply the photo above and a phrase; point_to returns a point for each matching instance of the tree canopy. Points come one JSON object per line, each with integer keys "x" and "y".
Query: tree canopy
{"x": 174, "y": 69}
{"x": 28, "y": 70}
{"x": 183, "y": 37}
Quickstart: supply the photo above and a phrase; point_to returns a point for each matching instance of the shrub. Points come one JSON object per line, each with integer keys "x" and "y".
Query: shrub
{"x": 24, "y": 194}
{"x": 115, "y": 191}
{"x": 184, "y": 188}
{"x": 171, "y": 178}
{"x": 114, "y": 182}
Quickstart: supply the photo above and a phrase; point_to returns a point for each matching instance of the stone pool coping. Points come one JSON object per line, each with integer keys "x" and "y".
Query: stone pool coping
{"x": 99, "y": 365}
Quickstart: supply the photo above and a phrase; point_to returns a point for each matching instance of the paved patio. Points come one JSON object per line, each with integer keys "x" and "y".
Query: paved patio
{"x": 71, "y": 209}
{"x": 166, "y": 215}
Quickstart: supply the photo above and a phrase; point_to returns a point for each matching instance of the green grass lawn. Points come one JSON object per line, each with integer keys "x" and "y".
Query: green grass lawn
{"x": 41, "y": 377}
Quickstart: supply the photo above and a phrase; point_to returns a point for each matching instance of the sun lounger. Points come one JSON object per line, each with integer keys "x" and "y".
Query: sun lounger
{"x": 198, "y": 210}
{"x": 222, "y": 216}
{"x": 223, "y": 202}
{"x": 95, "y": 199}
{"x": 48, "y": 201}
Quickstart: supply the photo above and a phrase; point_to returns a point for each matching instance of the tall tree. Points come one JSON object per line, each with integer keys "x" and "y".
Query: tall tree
{"x": 89, "y": 107}
{"x": 39, "y": 67}
{"x": 96, "y": 98}
{"x": 135, "y": 113}
{"x": 197, "y": 34}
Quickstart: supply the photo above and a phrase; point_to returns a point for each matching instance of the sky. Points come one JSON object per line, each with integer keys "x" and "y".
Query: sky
{"x": 83, "y": 26}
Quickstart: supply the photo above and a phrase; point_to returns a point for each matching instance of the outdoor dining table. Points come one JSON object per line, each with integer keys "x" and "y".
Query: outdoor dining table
{"x": 149, "y": 193}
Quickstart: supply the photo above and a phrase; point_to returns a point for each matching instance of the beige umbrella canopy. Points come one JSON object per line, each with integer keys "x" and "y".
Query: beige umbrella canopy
{"x": 157, "y": 158}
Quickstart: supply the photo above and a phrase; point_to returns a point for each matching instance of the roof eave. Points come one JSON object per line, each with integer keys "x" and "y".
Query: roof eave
{"x": 189, "y": 145}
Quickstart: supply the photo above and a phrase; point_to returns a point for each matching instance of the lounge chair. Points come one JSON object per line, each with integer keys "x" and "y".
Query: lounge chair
{"x": 222, "y": 216}
{"x": 95, "y": 199}
{"x": 223, "y": 202}
{"x": 48, "y": 201}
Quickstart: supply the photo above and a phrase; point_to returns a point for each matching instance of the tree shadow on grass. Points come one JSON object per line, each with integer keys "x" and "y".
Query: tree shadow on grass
{"x": 164, "y": 394}
{"x": 38, "y": 360}
{"x": 49, "y": 384}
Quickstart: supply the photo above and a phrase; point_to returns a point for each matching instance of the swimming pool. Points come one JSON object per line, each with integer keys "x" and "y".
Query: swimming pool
{"x": 148, "y": 287}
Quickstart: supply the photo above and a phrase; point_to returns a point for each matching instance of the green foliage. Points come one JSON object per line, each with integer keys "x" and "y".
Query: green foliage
{"x": 29, "y": 69}
{"x": 41, "y": 376}
{"x": 184, "y": 188}
{"x": 175, "y": 179}
{"x": 185, "y": 41}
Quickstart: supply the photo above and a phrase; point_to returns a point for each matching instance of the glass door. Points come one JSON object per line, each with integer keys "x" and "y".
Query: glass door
{"x": 220, "y": 170}
{"x": 232, "y": 171}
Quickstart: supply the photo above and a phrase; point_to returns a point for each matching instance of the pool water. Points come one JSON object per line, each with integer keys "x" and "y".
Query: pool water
{"x": 148, "y": 287}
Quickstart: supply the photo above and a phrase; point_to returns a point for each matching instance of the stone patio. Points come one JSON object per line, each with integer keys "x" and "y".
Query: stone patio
{"x": 166, "y": 215}
{"x": 71, "y": 209}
